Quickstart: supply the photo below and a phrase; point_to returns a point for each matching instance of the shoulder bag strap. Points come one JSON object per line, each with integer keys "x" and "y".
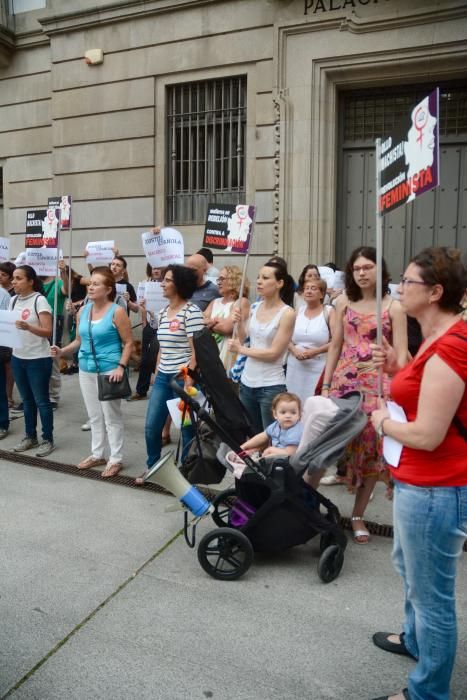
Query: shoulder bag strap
{"x": 91, "y": 343}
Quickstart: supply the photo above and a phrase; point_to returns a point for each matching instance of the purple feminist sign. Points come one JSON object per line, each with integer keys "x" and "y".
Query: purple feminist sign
{"x": 409, "y": 163}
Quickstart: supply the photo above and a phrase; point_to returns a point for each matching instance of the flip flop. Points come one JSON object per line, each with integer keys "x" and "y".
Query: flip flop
{"x": 360, "y": 536}
{"x": 111, "y": 469}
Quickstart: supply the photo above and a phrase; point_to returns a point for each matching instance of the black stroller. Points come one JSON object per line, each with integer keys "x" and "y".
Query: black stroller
{"x": 271, "y": 508}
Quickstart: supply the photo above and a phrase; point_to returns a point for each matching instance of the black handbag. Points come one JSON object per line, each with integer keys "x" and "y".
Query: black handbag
{"x": 107, "y": 390}
{"x": 201, "y": 465}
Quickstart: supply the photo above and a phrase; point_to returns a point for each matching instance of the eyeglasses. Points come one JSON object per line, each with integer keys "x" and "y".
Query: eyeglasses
{"x": 311, "y": 289}
{"x": 406, "y": 280}
{"x": 363, "y": 268}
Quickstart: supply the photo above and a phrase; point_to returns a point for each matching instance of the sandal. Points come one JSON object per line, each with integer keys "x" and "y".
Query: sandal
{"x": 360, "y": 536}
{"x": 90, "y": 462}
{"x": 111, "y": 469}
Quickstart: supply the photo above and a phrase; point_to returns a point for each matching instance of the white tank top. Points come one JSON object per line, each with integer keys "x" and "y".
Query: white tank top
{"x": 258, "y": 373}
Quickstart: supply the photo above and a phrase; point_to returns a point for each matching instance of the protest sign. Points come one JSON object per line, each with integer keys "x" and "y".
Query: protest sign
{"x": 164, "y": 248}
{"x": 327, "y": 274}
{"x": 409, "y": 156}
{"x": 42, "y": 228}
{"x": 9, "y": 334}
{"x": 100, "y": 252}
{"x": 4, "y": 249}
{"x": 64, "y": 204}
{"x": 140, "y": 292}
{"x": 229, "y": 227}
{"x": 155, "y": 300}
{"x": 43, "y": 260}
{"x": 339, "y": 280}
{"x": 120, "y": 288}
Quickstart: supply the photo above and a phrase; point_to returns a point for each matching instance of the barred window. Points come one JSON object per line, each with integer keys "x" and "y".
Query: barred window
{"x": 206, "y": 125}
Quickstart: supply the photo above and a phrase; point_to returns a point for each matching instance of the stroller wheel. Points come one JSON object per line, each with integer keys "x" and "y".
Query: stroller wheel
{"x": 326, "y": 540}
{"x": 222, "y": 506}
{"x": 330, "y": 563}
{"x": 225, "y": 554}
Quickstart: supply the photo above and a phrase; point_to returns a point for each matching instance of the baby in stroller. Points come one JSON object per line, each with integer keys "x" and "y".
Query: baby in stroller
{"x": 284, "y": 435}
{"x": 280, "y": 439}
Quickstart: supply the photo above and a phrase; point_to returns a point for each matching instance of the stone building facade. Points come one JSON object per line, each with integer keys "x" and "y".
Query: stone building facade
{"x": 276, "y": 102}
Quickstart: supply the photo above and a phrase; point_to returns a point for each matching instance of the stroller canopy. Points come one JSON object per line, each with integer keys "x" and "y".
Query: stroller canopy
{"x": 325, "y": 450}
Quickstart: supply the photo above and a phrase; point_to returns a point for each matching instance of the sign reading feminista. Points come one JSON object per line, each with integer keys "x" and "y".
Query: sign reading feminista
{"x": 409, "y": 163}
{"x": 42, "y": 227}
{"x": 229, "y": 227}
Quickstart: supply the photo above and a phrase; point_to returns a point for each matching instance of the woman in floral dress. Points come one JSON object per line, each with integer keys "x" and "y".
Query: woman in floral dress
{"x": 349, "y": 367}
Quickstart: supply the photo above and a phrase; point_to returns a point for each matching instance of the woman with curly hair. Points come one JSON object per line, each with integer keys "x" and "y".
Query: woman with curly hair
{"x": 219, "y": 314}
{"x": 349, "y": 367}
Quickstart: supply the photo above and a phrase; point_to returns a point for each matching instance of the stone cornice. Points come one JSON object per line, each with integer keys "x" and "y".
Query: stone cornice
{"x": 348, "y": 20}
{"x": 114, "y": 12}
{"x": 7, "y": 45}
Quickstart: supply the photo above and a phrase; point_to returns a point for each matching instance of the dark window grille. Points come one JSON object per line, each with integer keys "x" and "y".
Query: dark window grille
{"x": 368, "y": 116}
{"x": 206, "y": 129}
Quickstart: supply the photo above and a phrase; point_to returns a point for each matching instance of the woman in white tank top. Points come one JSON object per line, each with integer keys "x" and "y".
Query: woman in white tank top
{"x": 270, "y": 327}
{"x": 310, "y": 341}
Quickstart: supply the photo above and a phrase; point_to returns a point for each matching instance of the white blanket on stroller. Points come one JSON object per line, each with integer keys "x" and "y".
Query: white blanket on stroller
{"x": 317, "y": 414}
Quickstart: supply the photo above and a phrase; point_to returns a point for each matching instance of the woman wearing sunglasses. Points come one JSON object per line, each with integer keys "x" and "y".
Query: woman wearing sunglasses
{"x": 219, "y": 314}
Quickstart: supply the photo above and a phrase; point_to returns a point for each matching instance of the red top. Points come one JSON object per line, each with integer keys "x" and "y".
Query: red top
{"x": 447, "y": 464}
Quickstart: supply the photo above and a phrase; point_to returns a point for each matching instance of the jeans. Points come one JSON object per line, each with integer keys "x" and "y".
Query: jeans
{"x": 258, "y": 402}
{"x": 105, "y": 417}
{"x": 157, "y": 415}
{"x": 430, "y": 526}
{"x": 4, "y": 415}
{"x": 32, "y": 379}
{"x": 149, "y": 350}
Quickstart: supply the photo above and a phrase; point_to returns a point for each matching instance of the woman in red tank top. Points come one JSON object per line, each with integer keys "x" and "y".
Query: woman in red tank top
{"x": 430, "y": 502}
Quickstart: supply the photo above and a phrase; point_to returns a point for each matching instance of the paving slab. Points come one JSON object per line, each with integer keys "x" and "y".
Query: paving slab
{"x": 101, "y": 599}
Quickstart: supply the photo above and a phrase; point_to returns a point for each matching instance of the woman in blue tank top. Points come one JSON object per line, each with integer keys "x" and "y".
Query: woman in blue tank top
{"x": 112, "y": 340}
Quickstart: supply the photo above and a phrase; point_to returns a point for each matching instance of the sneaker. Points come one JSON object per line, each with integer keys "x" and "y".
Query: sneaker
{"x": 86, "y": 426}
{"x": 45, "y": 448}
{"x": 17, "y": 409}
{"x": 137, "y": 397}
{"x": 26, "y": 443}
{"x": 3, "y": 433}
{"x": 332, "y": 480}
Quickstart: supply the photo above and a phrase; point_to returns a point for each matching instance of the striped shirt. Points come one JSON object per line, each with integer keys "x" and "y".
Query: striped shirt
{"x": 173, "y": 337}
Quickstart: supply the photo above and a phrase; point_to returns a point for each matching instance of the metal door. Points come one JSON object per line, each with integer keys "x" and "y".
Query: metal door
{"x": 437, "y": 218}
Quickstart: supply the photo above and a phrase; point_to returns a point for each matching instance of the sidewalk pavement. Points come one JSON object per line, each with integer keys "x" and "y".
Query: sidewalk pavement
{"x": 101, "y": 599}
{"x": 73, "y": 445}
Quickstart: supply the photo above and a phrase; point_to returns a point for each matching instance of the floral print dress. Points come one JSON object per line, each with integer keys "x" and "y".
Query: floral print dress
{"x": 354, "y": 372}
